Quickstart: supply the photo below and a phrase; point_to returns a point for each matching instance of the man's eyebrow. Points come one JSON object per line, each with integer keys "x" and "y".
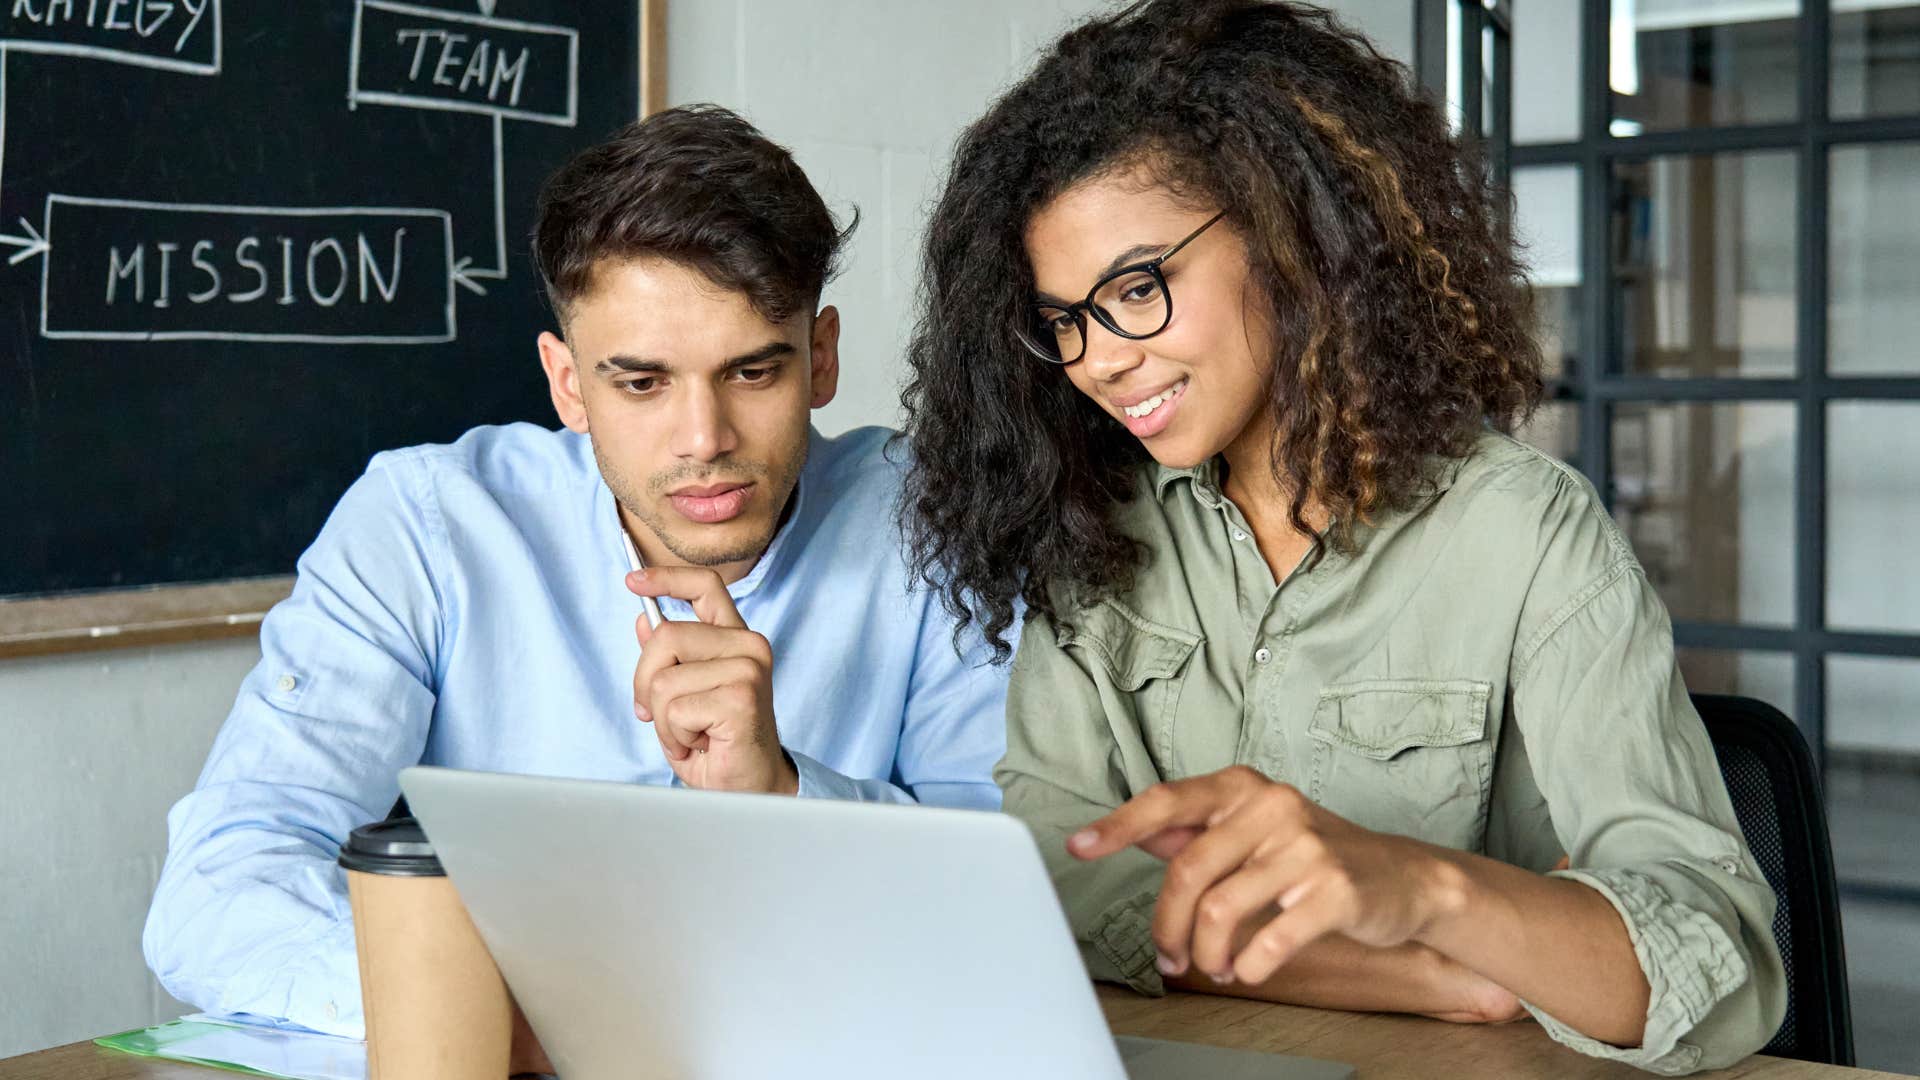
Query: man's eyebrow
{"x": 646, "y": 365}
{"x": 635, "y": 365}
{"x": 1135, "y": 254}
{"x": 761, "y": 355}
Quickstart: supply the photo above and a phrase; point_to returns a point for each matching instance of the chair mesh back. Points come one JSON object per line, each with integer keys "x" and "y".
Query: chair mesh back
{"x": 1753, "y": 803}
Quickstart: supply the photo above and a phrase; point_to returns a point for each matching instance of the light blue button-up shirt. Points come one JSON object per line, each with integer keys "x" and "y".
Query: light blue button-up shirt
{"x": 464, "y": 606}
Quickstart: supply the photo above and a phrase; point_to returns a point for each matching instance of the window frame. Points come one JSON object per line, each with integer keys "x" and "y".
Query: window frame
{"x": 1594, "y": 389}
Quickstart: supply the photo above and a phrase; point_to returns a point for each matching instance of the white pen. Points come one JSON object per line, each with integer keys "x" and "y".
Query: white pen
{"x": 654, "y": 618}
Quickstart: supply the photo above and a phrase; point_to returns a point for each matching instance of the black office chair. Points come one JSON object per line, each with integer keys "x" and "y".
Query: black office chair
{"x": 1776, "y": 795}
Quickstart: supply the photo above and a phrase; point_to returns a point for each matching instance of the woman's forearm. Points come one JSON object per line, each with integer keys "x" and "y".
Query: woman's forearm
{"x": 1337, "y": 972}
{"x": 1557, "y": 944}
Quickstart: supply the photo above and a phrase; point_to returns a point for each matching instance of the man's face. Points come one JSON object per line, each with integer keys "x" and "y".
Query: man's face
{"x": 696, "y": 405}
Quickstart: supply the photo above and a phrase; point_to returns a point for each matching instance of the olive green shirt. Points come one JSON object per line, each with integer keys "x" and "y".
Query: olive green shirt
{"x": 1490, "y": 671}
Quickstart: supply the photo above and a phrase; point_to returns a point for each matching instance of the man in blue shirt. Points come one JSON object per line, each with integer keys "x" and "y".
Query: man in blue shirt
{"x": 471, "y": 604}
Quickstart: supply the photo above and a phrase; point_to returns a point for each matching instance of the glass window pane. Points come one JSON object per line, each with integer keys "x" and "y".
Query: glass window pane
{"x": 1873, "y": 321}
{"x": 1546, "y": 71}
{"x": 1557, "y": 328}
{"x": 1554, "y": 429}
{"x": 1767, "y": 676}
{"x": 1876, "y": 58}
{"x": 1873, "y": 516}
{"x": 1546, "y": 215}
{"x": 1704, "y": 260}
{"x": 1703, "y": 63}
{"x": 1705, "y": 494}
{"x": 1873, "y": 768}
{"x": 1872, "y": 788}
{"x": 1873, "y": 704}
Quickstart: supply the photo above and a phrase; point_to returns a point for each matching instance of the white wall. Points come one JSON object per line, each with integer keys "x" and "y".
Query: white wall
{"x": 870, "y": 94}
{"x": 94, "y": 747}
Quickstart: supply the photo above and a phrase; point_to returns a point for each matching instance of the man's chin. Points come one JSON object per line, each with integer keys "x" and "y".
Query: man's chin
{"x": 718, "y": 545}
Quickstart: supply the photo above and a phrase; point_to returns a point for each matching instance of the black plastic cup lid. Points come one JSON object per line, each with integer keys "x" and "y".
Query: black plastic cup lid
{"x": 397, "y": 846}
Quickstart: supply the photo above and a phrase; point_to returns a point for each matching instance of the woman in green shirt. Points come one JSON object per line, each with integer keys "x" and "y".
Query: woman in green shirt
{"x": 1329, "y": 691}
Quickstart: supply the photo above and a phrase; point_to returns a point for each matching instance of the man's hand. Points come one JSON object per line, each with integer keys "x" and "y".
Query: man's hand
{"x": 707, "y": 688}
{"x": 1237, "y": 843}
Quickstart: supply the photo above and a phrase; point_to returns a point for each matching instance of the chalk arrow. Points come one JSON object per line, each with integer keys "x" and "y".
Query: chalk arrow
{"x": 460, "y": 275}
{"x": 30, "y": 245}
{"x": 486, "y": 6}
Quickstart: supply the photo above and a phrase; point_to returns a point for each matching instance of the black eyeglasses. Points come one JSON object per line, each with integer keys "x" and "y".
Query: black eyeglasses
{"x": 1133, "y": 302}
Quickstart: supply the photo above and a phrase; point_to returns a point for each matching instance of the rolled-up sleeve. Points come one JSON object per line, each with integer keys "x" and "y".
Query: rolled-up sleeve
{"x": 251, "y": 914}
{"x": 1639, "y": 806}
{"x": 1067, "y": 765}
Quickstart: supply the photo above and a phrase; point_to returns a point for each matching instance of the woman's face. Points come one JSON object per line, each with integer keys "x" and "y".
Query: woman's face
{"x": 1193, "y": 389}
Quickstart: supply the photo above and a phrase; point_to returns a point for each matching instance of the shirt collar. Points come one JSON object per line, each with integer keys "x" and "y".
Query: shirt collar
{"x": 616, "y": 551}
{"x": 1203, "y": 481}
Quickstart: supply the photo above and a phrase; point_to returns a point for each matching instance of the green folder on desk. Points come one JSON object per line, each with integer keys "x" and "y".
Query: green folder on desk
{"x": 247, "y": 1048}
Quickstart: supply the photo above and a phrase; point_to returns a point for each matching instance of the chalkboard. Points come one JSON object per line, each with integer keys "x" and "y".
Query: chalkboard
{"x": 246, "y": 245}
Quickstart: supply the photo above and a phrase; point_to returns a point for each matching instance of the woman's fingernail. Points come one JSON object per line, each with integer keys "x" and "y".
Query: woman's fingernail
{"x": 1221, "y": 980}
{"x": 1083, "y": 839}
{"x": 1167, "y": 964}
{"x": 640, "y": 713}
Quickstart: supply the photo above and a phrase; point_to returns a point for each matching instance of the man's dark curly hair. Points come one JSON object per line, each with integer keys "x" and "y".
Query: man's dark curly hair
{"x": 1401, "y": 321}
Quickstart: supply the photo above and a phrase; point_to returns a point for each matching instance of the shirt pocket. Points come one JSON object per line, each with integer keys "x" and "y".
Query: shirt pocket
{"x": 1405, "y": 756}
{"x": 1145, "y": 666}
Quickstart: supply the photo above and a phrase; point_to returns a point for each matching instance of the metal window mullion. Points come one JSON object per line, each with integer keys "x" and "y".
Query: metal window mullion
{"x": 1810, "y": 477}
{"x": 1720, "y": 140}
{"x": 1871, "y": 129}
{"x": 1886, "y": 892}
{"x": 1529, "y": 154}
{"x": 1731, "y": 636}
{"x": 1473, "y": 112}
{"x": 1699, "y": 388}
{"x": 1500, "y": 135}
{"x": 1689, "y": 634}
{"x": 1714, "y": 388}
{"x": 1865, "y": 643}
{"x": 1598, "y": 337}
{"x": 1430, "y": 48}
{"x": 1883, "y": 388}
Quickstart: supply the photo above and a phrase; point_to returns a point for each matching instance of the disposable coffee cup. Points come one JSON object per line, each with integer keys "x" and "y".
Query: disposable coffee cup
{"x": 436, "y": 1007}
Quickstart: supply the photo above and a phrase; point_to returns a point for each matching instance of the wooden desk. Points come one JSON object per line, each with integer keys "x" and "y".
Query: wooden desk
{"x": 1395, "y": 1047}
{"x": 1383, "y": 1047}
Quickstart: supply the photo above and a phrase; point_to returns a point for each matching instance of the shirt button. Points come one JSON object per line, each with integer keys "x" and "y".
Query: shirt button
{"x": 287, "y": 682}
{"x": 1239, "y": 534}
{"x": 1262, "y": 655}
{"x": 333, "y": 1011}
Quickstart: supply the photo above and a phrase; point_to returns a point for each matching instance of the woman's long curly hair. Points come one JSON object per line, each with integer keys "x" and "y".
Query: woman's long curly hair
{"x": 1401, "y": 323}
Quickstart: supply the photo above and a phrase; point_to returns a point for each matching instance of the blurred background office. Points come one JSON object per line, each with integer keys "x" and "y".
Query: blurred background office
{"x": 1721, "y": 200}
{"x": 1723, "y": 203}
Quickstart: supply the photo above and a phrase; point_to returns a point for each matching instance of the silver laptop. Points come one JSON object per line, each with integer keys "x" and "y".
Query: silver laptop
{"x": 654, "y": 932}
